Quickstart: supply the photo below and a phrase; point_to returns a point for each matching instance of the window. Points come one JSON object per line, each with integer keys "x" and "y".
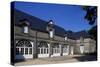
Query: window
{"x": 41, "y": 51}
{"x": 26, "y": 50}
{"x": 17, "y": 50}
{"x": 64, "y": 50}
{"x": 30, "y": 50}
{"x": 25, "y": 29}
{"x": 47, "y": 50}
{"x": 81, "y": 48}
{"x": 22, "y": 51}
{"x": 43, "y": 47}
{"x": 23, "y": 47}
{"x": 65, "y": 38}
{"x": 51, "y": 34}
{"x": 44, "y": 50}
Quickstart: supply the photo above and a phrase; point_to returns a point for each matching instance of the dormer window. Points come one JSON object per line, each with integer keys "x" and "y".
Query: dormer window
{"x": 25, "y": 25}
{"x": 66, "y": 37}
{"x": 50, "y": 29}
{"x": 50, "y": 22}
{"x": 51, "y": 33}
{"x": 25, "y": 29}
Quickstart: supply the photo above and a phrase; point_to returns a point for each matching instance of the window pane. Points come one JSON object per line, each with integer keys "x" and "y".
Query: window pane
{"x": 44, "y": 51}
{"x": 17, "y": 51}
{"x": 30, "y": 50}
{"x": 51, "y": 34}
{"x": 26, "y": 29}
{"x": 26, "y": 50}
{"x": 47, "y": 50}
{"x": 22, "y": 51}
{"x": 41, "y": 51}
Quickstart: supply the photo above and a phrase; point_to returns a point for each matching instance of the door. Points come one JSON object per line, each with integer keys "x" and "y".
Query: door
{"x": 24, "y": 49}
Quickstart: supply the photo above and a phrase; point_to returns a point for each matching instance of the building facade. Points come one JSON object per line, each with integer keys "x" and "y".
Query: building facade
{"x": 36, "y": 38}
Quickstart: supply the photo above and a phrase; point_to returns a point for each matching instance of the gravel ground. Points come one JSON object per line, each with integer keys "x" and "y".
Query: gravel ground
{"x": 55, "y": 60}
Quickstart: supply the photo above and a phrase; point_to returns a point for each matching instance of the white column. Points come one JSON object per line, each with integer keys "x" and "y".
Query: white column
{"x": 49, "y": 51}
{"x": 60, "y": 49}
{"x": 40, "y": 50}
{"x": 67, "y": 49}
{"x": 43, "y": 50}
{"x": 28, "y": 50}
{"x": 24, "y": 50}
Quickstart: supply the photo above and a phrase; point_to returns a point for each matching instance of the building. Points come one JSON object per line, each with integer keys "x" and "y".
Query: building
{"x": 36, "y": 38}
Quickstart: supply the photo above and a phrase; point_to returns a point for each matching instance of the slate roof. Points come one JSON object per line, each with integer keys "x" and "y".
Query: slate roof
{"x": 38, "y": 24}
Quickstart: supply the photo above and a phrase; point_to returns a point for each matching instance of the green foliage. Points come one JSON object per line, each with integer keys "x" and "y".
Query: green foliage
{"x": 93, "y": 32}
{"x": 91, "y": 14}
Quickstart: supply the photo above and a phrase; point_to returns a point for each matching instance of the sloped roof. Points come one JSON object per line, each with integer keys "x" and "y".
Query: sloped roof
{"x": 38, "y": 24}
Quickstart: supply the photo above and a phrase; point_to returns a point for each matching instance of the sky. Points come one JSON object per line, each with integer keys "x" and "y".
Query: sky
{"x": 69, "y": 17}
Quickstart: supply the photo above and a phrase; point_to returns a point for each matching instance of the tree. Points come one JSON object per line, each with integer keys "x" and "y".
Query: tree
{"x": 91, "y": 17}
{"x": 91, "y": 14}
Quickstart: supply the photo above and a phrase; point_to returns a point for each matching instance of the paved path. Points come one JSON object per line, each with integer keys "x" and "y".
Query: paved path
{"x": 54, "y": 60}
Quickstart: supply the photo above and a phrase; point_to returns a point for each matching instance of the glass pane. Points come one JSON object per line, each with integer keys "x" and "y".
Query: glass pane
{"x": 44, "y": 51}
{"x": 41, "y": 51}
{"x": 22, "y": 51}
{"x": 30, "y": 50}
{"x": 81, "y": 49}
{"x": 26, "y": 29}
{"x": 17, "y": 51}
{"x": 51, "y": 34}
{"x": 26, "y": 50}
{"x": 47, "y": 50}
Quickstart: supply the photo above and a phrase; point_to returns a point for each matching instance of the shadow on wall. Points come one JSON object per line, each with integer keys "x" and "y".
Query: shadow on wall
{"x": 87, "y": 58}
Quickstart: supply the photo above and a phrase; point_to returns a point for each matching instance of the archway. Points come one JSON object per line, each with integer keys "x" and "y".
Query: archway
{"x": 43, "y": 50}
{"x": 55, "y": 49}
{"x": 24, "y": 49}
{"x": 65, "y": 49}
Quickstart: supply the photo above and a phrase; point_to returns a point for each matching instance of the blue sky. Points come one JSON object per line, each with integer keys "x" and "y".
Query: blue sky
{"x": 70, "y": 17}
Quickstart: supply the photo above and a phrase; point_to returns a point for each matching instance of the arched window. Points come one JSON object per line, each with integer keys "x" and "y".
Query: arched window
{"x": 23, "y": 43}
{"x": 43, "y": 48}
{"x": 65, "y": 48}
{"x": 56, "y": 48}
{"x": 23, "y": 47}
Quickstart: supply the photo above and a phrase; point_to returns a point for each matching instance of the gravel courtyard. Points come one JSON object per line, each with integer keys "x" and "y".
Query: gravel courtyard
{"x": 59, "y": 59}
